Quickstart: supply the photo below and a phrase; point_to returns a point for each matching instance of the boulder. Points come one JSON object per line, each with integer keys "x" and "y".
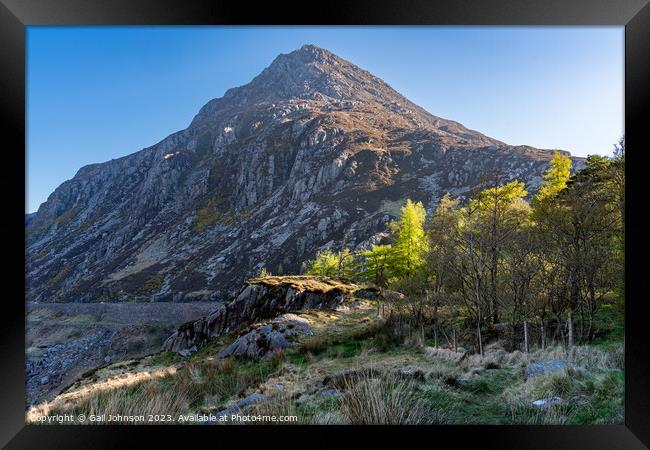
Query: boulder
{"x": 241, "y": 404}
{"x": 410, "y": 374}
{"x": 277, "y": 387}
{"x": 329, "y": 393}
{"x": 547, "y": 367}
{"x": 545, "y": 403}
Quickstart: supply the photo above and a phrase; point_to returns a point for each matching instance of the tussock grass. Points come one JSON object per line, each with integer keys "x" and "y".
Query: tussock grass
{"x": 147, "y": 397}
{"x": 284, "y": 404}
{"x": 587, "y": 397}
{"x": 213, "y": 385}
{"x": 386, "y": 401}
{"x": 443, "y": 353}
{"x": 197, "y": 385}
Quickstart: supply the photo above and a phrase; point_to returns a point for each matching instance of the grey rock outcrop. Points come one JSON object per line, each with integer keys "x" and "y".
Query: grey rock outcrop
{"x": 311, "y": 150}
{"x": 266, "y": 339}
{"x": 259, "y": 300}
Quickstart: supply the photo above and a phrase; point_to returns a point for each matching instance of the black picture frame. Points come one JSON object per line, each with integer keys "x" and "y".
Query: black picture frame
{"x": 15, "y": 15}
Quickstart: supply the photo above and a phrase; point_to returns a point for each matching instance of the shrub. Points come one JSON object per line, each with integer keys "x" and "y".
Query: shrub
{"x": 490, "y": 365}
{"x": 451, "y": 381}
{"x": 387, "y": 336}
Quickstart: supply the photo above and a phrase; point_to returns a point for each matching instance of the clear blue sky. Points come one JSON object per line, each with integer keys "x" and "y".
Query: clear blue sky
{"x": 97, "y": 93}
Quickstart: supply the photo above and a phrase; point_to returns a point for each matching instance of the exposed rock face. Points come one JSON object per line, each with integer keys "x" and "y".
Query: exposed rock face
{"x": 266, "y": 339}
{"x": 260, "y": 299}
{"x": 312, "y": 150}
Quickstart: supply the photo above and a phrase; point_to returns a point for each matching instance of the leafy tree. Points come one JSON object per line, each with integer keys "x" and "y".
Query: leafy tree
{"x": 332, "y": 264}
{"x": 441, "y": 241}
{"x": 377, "y": 266}
{"x": 497, "y": 212}
{"x": 579, "y": 227}
{"x": 345, "y": 264}
{"x": 325, "y": 264}
{"x": 497, "y": 255}
{"x": 555, "y": 178}
{"x": 519, "y": 271}
{"x": 410, "y": 240}
{"x": 617, "y": 181}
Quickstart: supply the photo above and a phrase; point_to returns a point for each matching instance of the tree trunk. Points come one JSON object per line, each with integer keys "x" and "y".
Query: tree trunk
{"x": 493, "y": 313}
{"x": 492, "y": 304}
{"x": 559, "y": 329}
{"x": 581, "y": 335}
{"x": 570, "y": 330}
{"x": 592, "y": 310}
{"x": 341, "y": 255}
{"x": 574, "y": 292}
{"x": 525, "y": 336}
{"x": 542, "y": 333}
{"x": 435, "y": 321}
{"x": 455, "y": 341}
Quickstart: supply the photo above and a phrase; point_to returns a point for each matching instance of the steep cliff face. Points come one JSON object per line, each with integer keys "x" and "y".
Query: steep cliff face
{"x": 311, "y": 150}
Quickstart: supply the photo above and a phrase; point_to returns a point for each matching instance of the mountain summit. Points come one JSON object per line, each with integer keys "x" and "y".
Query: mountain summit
{"x": 313, "y": 151}
{"x": 311, "y": 73}
{"x": 315, "y": 74}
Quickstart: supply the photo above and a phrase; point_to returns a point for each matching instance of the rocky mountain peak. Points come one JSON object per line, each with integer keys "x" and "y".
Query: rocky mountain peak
{"x": 309, "y": 73}
{"x": 310, "y": 53}
{"x": 313, "y": 150}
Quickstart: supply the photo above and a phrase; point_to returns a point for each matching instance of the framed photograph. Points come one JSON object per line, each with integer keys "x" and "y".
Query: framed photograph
{"x": 411, "y": 216}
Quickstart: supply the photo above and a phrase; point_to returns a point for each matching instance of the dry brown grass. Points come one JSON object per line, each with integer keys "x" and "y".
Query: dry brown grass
{"x": 589, "y": 357}
{"x": 305, "y": 283}
{"x": 84, "y": 391}
{"x": 151, "y": 397}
